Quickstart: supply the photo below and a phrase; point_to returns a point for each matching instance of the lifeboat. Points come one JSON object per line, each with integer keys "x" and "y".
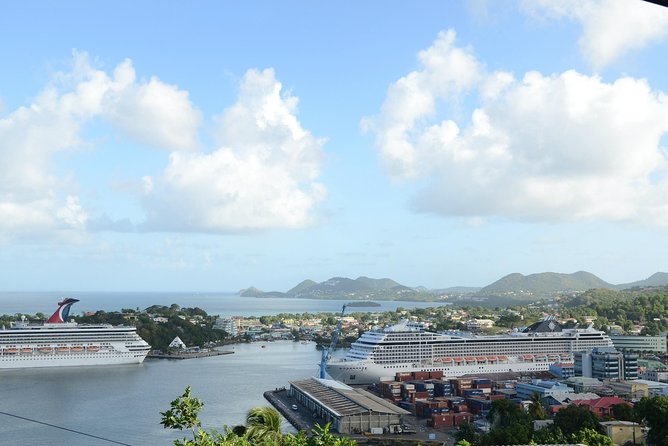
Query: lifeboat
{"x": 503, "y": 358}
{"x": 26, "y": 350}
{"x": 77, "y": 349}
{"x": 459, "y": 359}
{"x": 93, "y": 348}
{"x": 492, "y": 358}
{"x": 447, "y": 360}
{"x": 527, "y": 357}
{"x": 62, "y": 349}
{"x": 45, "y": 349}
{"x": 481, "y": 358}
{"x": 11, "y": 351}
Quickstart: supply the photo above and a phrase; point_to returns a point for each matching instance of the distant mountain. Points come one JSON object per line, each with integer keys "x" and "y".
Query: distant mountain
{"x": 251, "y": 292}
{"x": 656, "y": 279}
{"x": 304, "y": 285}
{"x": 343, "y": 287}
{"x": 514, "y": 286}
{"x": 458, "y": 289}
{"x": 377, "y": 284}
{"x": 545, "y": 283}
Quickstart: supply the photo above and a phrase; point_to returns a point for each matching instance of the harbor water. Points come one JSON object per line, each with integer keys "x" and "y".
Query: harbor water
{"x": 123, "y": 403}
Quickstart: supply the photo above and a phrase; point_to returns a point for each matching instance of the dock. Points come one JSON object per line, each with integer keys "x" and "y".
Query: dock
{"x": 188, "y": 354}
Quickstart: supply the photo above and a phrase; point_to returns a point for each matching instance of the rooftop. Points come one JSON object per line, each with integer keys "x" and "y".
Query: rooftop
{"x": 345, "y": 400}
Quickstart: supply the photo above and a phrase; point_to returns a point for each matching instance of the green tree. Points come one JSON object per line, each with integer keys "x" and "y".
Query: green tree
{"x": 591, "y": 438}
{"x": 623, "y": 412}
{"x": 536, "y": 410}
{"x": 574, "y": 418}
{"x": 510, "y": 425}
{"x": 505, "y": 414}
{"x": 263, "y": 424}
{"x": 466, "y": 432}
{"x": 654, "y": 412}
{"x": 549, "y": 435}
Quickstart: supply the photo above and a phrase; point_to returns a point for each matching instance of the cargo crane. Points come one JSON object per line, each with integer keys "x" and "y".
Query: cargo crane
{"x": 327, "y": 352}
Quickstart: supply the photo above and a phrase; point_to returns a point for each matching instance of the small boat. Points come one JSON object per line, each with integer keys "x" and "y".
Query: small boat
{"x": 11, "y": 351}
{"x": 264, "y": 346}
{"x": 62, "y": 349}
{"x": 77, "y": 349}
{"x": 27, "y": 350}
{"x": 93, "y": 348}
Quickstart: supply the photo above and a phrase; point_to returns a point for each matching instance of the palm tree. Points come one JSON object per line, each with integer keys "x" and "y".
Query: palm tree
{"x": 535, "y": 409}
{"x": 263, "y": 426}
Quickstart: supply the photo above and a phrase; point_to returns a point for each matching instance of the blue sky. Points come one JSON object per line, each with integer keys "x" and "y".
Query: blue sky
{"x": 211, "y": 146}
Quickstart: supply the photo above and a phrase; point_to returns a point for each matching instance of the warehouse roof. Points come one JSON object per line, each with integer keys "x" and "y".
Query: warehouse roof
{"x": 342, "y": 400}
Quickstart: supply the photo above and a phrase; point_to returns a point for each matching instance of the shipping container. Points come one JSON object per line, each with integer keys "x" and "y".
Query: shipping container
{"x": 436, "y": 374}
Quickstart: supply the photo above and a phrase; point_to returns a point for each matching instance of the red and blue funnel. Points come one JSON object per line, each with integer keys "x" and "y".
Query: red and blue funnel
{"x": 63, "y": 311}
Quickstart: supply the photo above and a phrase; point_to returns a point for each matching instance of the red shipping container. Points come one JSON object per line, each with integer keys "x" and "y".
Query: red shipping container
{"x": 436, "y": 374}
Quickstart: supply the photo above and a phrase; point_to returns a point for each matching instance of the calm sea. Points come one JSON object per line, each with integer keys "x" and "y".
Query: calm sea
{"x": 223, "y": 304}
{"x": 123, "y": 403}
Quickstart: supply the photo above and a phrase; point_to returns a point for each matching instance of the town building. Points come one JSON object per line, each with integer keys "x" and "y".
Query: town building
{"x": 660, "y": 375}
{"x": 655, "y": 344}
{"x": 228, "y": 325}
{"x": 655, "y": 388}
{"x": 603, "y": 407}
{"x": 606, "y": 363}
{"x": 542, "y": 388}
{"x": 563, "y": 370}
{"x": 351, "y": 411}
{"x": 479, "y": 324}
{"x": 630, "y": 390}
{"x": 623, "y": 432}
{"x": 177, "y": 343}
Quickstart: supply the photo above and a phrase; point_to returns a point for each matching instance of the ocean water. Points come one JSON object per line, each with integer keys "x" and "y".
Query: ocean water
{"x": 223, "y": 304}
{"x": 123, "y": 403}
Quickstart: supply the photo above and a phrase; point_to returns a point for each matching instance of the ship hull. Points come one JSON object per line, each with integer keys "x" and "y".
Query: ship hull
{"x": 366, "y": 372}
{"x": 20, "y": 361}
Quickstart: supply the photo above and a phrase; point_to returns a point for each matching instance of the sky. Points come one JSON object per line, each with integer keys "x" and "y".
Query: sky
{"x": 215, "y": 145}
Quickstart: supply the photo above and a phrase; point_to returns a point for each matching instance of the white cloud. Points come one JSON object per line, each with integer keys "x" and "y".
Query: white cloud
{"x": 261, "y": 176}
{"x": 611, "y": 28}
{"x": 544, "y": 147}
{"x": 34, "y": 201}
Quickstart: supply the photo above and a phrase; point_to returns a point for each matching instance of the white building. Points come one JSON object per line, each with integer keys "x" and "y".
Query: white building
{"x": 230, "y": 326}
{"x": 655, "y": 375}
{"x": 479, "y": 324}
{"x": 177, "y": 343}
{"x": 640, "y": 343}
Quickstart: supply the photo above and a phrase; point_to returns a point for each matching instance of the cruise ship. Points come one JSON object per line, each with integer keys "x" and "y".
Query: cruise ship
{"x": 407, "y": 347}
{"x": 58, "y": 342}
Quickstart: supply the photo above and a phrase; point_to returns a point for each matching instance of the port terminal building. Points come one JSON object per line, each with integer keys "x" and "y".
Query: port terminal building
{"x": 350, "y": 410}
{"x": 655, "y": 344}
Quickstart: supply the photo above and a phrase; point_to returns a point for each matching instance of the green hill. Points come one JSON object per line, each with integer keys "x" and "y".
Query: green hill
{"x": 656, "y": 279}
{"x": 545, "y": 283}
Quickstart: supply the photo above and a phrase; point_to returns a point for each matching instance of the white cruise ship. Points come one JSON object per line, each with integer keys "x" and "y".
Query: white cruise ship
{"x": 406, "y": 347}
{"x": 61, "y": 343}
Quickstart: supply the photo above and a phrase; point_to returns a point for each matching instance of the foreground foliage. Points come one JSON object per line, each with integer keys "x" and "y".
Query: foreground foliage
{"x": 263, "y": 428}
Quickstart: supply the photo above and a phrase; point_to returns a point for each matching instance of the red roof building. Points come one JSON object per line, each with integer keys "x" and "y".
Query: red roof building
{"x": 602, "y": 406}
